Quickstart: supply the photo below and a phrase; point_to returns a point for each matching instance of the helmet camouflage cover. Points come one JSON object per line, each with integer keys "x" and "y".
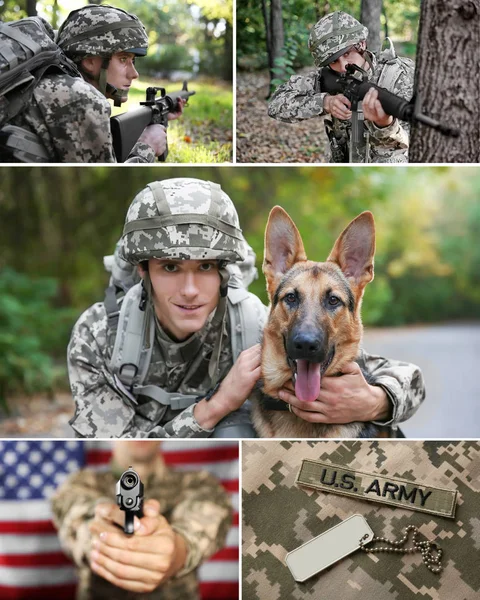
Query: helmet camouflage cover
{"x": 102, "y": 31}
{"x": 182, "y": 218}
{"x": 333, "y": 35}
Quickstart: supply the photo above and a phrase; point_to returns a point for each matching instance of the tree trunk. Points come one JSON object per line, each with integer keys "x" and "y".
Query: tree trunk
{"x": 32, "y": 8}
{"x": 267, "y": 33}
{"x": 446, "y": 78}
{"x": 228, "y": 52}
{"x": 276, "y": 36}
{"x": 370, "y": 17}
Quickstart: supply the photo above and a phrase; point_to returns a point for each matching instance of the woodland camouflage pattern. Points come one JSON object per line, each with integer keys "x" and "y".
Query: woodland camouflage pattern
{"x": 87, "y": 22}
{"x": 301, "y": 98}
{"x": 72, "y": 119}
{"x": 194, "y": 504}
{"x": 185, "y": 197}
{"x": 332, "y": 34}
{"x": 280, "y": 516}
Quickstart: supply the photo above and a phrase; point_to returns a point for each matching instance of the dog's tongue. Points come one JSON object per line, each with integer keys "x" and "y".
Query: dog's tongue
{"x": 307, "y": 384}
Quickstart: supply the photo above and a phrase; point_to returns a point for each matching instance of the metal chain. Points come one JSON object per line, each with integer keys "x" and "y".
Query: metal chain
{"x": 430, "y": 551}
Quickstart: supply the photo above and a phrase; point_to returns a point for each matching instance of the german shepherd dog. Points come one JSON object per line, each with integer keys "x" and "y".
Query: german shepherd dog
{"x": 314, "y": 326}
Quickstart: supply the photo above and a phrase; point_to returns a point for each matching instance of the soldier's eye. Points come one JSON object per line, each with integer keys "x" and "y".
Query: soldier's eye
{"x": 333, "y": 300}
{"x": 207, "y": 267}
{"x": 170, "y": 268}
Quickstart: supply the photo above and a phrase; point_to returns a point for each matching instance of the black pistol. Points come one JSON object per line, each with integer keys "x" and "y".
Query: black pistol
{"x": 130, "y": 497}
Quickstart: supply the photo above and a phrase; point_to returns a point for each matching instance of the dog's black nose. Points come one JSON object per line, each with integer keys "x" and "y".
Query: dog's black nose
{"x": 307, "y": 345}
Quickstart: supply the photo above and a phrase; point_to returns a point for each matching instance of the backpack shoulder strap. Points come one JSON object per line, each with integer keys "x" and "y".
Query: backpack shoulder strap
{"x": 247, "y": 319}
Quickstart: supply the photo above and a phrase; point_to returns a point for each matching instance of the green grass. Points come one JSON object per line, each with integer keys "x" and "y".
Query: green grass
{"x": 203, "y": 134}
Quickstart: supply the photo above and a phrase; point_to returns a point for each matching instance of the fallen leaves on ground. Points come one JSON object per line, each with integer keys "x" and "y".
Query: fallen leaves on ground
{"x": 39, "y": 417}
{"x": 261, "y": 139}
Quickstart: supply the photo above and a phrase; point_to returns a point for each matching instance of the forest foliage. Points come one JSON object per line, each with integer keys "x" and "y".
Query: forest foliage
{"x": 399, "y": 20}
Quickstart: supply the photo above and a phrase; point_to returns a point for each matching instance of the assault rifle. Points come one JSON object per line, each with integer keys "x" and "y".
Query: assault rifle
{"x": 130, "y": 497}
{"x": 354, "y": 84}
{"x": 128, "y": 127}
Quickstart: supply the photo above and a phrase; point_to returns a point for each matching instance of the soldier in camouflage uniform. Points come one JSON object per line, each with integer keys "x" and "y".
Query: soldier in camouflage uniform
{"x": 335, "y": 41}
{"x": 279, "y": 516}
{"x": 187, "y": 516}
{"x": 70, "y": 116}
{"x": 188, "y": 229}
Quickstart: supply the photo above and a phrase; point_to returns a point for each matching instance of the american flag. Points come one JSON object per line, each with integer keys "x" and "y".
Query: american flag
{"x": 32, "y": 564}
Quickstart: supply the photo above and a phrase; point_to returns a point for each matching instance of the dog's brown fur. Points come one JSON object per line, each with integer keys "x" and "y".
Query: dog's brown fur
{"x": 344, "y": 275}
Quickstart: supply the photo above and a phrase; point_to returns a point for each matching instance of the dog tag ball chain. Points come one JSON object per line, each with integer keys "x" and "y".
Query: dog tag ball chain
{"x": 353, "y": 534}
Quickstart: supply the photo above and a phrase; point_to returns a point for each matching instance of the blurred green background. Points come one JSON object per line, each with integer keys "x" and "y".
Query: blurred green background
{"x": 57, "y": 223}
{"x": 399, "y": 20}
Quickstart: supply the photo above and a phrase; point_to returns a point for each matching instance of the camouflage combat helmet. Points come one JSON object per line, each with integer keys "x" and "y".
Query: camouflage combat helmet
{"x": 182, "y": 218}
{"x": 333, "y": 35}
{"x": 102, "y": 31}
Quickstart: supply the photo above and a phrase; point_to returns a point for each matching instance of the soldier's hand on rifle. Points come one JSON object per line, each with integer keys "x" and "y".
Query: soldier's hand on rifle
{"x": 156, "y": 137}
{"x": 180, "y": 104}
{"x": 234, "y": 390}
{"x": 338, "y": 106}
{"x": 373, "y": 110}
{"x": 138, "y": 563}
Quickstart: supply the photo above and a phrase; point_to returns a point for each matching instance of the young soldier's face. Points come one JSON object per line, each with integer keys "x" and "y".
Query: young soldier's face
{"x": 185, "y": 293}
{"x": 351, "y": 57}
{"x": 121, "y": 72}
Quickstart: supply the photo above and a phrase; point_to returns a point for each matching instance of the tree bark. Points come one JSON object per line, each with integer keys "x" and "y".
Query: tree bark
{"x": 446, "y": 78}
{"x": 370, "y": 17}
{"x": 32, "y": 8}
{"x": 277, "y": 39}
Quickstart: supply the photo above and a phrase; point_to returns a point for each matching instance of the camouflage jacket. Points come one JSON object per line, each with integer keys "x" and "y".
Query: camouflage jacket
{"x": 194, "y": 503}
{"x": 301, "y": 98}
{"x": 279, "y": 516}
{"x": 72, "y": 119}
{"x": 103, "y": 410}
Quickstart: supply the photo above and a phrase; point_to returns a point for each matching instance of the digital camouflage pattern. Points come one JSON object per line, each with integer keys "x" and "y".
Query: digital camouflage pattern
{"x": 102, "y": 407}
{"x": 72, "y": 120}
{"x": 102, "y": 31}
{"x": 195, "y": 505}
{"x": 187, "y": 219}
{"x": 332, "y": 35}
{"x": 301, "y": 98}
{"x": 279, "y": 516}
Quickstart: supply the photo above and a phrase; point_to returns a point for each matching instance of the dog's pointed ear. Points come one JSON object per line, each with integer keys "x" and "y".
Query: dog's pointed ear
{"x": 354, "y": 250}
{"x": 283, "y": 247}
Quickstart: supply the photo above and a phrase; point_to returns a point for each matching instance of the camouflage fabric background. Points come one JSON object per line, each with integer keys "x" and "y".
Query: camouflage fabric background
{"x": 279, "y": 517}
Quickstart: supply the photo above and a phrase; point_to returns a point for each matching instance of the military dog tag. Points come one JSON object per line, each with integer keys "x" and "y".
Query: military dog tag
{"x": 328, "y": 547}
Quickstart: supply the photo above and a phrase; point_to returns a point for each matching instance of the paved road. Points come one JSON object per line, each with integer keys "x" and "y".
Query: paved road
{"x": 449, "y": 356}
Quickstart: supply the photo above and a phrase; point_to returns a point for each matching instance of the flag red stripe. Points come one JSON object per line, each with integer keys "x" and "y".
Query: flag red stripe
{"x": 177, "y": 457}
{"x": 215, "y": 590}
{"x": 28, "y": 527}
{"x": 230, "y": 553}
{"x": 230, "y": 485}
{"x": 44, "y": 559}
{"x": 59, "y": 592}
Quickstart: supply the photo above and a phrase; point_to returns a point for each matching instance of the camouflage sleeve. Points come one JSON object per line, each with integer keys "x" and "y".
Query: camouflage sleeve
{"x": 202, "y": 517}
{"x": 403, "y": 383}
{"x": 102, "y": 408}
{"x": 73, "y": 507}
{"x": 390, "y": 144}
{"x": 77, "y": 120}
{"x": 296, "y": 100}
{"x": 141, "y": 153}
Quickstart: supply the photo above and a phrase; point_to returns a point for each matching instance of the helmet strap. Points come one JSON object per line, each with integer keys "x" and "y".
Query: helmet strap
{"x": 219, "y": 320}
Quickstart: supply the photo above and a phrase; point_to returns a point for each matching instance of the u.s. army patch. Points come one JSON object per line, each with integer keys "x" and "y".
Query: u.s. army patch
{"x": 329, "y": 477}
